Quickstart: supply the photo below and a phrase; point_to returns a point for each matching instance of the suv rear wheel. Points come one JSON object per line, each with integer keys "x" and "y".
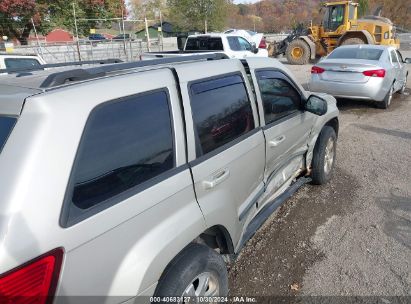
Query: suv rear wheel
{"x": 324, "y": 156}
{"x": 197, "y": 271}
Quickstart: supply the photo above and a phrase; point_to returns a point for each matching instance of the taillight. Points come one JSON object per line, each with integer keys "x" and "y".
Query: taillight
{"x": 33, "y": 282}
{"x": 317, "y": 70}
{"x": 263, "y": 44}
{"x": 375, "y": 73}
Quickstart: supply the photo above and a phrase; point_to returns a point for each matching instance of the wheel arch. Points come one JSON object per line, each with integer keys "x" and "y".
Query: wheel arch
{"x": 335, "y": 124}
{"x": 363, "y": 35}
{"x": 311, "y": 45}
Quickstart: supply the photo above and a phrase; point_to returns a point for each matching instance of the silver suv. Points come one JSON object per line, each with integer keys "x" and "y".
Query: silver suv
{"x": 143, "y": 179}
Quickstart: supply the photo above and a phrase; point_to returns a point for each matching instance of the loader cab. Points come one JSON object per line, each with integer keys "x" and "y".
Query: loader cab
{"x": 338, "y": 14}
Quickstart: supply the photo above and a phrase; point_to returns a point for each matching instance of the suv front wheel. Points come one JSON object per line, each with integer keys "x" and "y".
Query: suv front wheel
{"x": 324, "y": 156}
{"x": 197, "y": 271}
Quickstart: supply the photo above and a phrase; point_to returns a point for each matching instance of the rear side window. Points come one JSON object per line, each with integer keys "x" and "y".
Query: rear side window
{"x": 356, "y": 53}
{"x": 394, "y": 57}
{"x": 126, "y": 143}
{"x": 221, "y": 111}
{"x": 21, "y": 63}
{"x": 204, "y": 44}
{"x": 6, "y": 126}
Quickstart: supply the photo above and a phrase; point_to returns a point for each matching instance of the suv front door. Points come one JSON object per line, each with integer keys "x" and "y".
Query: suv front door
{"x": 286, "y": 126}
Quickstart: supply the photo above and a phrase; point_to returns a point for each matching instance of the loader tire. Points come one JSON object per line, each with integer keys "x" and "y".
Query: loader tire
{"x": 298, "y": 52}
{"x": 351, "y": 41}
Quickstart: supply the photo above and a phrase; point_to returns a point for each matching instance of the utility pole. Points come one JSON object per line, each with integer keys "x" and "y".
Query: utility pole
{"x": 37, "y": 38}
{"x": 161, "y": 32}
{"x": 147, "y": 34}
{"x": 75, "y": 25}
{"x": 124, "y": 33}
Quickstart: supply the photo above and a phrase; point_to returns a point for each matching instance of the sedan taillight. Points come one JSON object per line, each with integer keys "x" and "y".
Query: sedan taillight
{"x": 33, "y": 282}
{"x": 375, "y": 73}
{"x": 317, "y": 70}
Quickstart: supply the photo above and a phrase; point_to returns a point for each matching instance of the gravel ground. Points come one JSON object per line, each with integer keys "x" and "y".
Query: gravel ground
{"x": 351, "y": 236}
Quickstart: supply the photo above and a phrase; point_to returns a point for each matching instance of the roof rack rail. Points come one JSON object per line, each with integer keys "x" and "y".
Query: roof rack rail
{"x": 57, "y": 65}
{"x": 60, "y": 78}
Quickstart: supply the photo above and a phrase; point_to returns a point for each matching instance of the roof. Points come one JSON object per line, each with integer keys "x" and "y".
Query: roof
{"x": 59, "y": 75}
{"x": 166, "y": 26}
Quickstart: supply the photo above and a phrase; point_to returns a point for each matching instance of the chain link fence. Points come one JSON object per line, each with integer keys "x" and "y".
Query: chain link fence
{"x": 126, "y": 50}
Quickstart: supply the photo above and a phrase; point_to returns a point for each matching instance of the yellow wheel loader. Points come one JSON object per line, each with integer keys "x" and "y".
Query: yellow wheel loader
{"x": 340, "y": 26}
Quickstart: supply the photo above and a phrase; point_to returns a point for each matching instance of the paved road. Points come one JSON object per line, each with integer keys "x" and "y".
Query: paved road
{"x": 353, "y": 235}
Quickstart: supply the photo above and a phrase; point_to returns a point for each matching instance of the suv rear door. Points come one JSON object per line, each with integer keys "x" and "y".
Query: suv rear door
{"x": 285, "y": 124}
{"x": 226, "y": 145}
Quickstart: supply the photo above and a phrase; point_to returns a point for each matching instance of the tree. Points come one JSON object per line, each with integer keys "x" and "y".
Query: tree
{"x": 18, "y": 16}
{"x": 362, "y": 7}
{"x": 201, "y": 15}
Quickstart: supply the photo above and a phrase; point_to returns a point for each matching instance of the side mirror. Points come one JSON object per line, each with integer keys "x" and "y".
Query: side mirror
{"x": 407, "y": 60}
{"x": 316, "y": 105}
{"x": 254, "y": 48}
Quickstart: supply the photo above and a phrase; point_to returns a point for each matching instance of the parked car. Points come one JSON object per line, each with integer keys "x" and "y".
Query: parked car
{"x": 145, "y": 190}
{"x": 122, "y": 37}
{"x": 96, "y": 37}
{"x": 369, "y": 72}
{"x": 233, "y": 46}
{"x": 257, "y": 38}
{"x": 19, "y": 61}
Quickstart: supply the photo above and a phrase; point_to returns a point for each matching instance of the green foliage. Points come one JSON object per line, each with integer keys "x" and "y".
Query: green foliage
{"x": 16, "y": 15}
{"x": 198, "y": 14}
{"x": 362, "y": 7}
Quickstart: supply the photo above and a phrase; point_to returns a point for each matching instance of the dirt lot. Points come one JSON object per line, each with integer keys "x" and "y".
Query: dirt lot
{"x": 353, "y": 235}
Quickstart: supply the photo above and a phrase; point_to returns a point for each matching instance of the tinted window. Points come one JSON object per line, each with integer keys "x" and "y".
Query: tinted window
{"x": 356, "y": 53}
{"x": 6, "y": 125}
{"x": 351, "y": 12}
{"x": 204, "y": 44}
{"x": 20, "y": 63}
{"x": 394, "y": 57}
{"x": 233, "y": 43}
{"x": 125, "y": 144}
{"x": 244, "y": 44}
{"x": 278, "y": 95}
{"x": 400, "y": 58}
{"x": 221, "y": 111}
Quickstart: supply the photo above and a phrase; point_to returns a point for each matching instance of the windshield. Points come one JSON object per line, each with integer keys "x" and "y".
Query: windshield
{"x": 204, "y": 44}
{"x": 6, "y": 125}
{"x": 356, "y": 53}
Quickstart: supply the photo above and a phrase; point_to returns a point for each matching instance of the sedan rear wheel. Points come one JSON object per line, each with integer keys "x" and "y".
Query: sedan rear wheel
{"x": 402, "y": 91}
{"x": 385, "y": 104}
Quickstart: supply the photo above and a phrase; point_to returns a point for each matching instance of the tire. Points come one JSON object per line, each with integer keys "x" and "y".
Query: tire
{"x": 402, "y": 91}
{"x": 298, "y": 52}
{"x": 324, "y": 156}
{"x": 350, "y": 41}
{"x": 385, "y": 104}
{"x": 185, "y": 274}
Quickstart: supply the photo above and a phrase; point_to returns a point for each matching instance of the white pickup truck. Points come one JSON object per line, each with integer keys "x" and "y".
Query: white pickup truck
{"x": 14, "y": 61}
{"x": 234, "y": 46}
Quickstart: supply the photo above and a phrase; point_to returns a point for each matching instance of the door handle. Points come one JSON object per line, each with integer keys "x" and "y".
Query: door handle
{"x": 276, "y": 142}
{"x": 216, "y": 179}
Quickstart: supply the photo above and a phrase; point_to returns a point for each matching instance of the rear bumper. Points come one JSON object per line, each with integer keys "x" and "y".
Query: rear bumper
{"x": 373, "y": 89}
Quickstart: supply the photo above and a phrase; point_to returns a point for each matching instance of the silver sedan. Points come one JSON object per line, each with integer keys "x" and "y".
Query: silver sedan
{"x": 369, "y": 72}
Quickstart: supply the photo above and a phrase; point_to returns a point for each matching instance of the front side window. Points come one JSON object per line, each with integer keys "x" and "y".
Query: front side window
{"x": 279, "y": 97}
{"x": 244, "y": 44}
{"x": 400, "y": 58}
{"x": 126, "y": 143}
{"x": 221, "y": 111}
